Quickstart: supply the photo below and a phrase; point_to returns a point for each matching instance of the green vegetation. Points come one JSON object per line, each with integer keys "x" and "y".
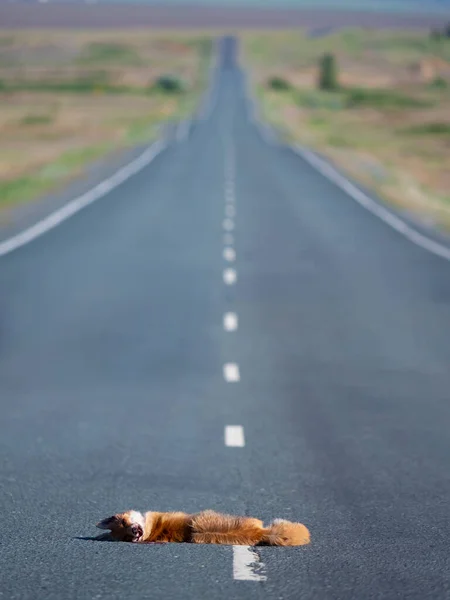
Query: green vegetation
{"x": 439, "y": 83}
{"x": 428, "y": 129}
{"x": 384, "y": 118}
{"x": 36, "y": 119}
{"x": 96, "y": 82}
{"x": 109, "y": 52}
{"x": 169, "y": 84}
{"x": 383, "y": 99}
{"x": 34, "y": 184}
{"x": 69, "y": 97}
{"x": 279, "y": 83}
{"x": 328, "y": 80}
{"x": 319, "y": 99}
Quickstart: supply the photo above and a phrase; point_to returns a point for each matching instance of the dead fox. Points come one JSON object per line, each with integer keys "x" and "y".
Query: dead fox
{"x": 207, "y": 527}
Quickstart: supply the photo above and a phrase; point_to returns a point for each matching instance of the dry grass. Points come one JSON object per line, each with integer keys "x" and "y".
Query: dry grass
{"x": 67, "y": 97}
{"x": 389, "y": 123}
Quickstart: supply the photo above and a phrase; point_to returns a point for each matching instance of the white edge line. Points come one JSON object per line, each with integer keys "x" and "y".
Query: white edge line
{"x": 374, "y": 207}
{"x": 65, "y": 212}
{"x": 234, "y": 436}
{"x": 247, "y": 565}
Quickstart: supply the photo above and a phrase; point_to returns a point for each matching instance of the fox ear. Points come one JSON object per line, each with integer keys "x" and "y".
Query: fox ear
{"x": 109, "y": 522}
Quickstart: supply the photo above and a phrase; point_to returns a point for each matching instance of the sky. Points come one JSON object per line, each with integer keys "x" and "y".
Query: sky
{"x": 385, "y": 5}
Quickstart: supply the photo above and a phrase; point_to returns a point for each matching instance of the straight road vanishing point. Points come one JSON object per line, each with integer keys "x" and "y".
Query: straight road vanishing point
{"x": 152, "y": 355}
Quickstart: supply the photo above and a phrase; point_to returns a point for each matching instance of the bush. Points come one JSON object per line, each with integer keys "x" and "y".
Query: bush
{"x": 436, "y": 35}
{"x": 439, "y": 83}
{"x": 108, "y": 52}
{"x": 328, "y": 79}
{"x": 279, "y": 84}
{"x": 317, "y": 99}
{"x": 382, "y": 98}
{"x": 435, "y": 128}
{"x": 36, "y": 120}
{"x": 169, "y": 84}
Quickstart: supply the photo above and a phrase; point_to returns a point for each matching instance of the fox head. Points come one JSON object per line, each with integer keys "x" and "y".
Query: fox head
{"x": 125, "y": 527}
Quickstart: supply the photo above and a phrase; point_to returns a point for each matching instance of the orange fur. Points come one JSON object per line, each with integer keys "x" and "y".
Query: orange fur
{"x": 207, "y": 527}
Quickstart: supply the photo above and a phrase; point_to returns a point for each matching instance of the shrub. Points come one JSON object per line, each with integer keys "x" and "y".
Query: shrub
{"x": 436, "y": 128}
{"x": 108, "y": 52}
{"x": 278, "y": 84}
{"x": 36, "y": 120}
{"x": 439, "y": 83}
{"x": 382, "y": 98}
{"x": 328, "y": 79}
{"x": 169, "y": 84}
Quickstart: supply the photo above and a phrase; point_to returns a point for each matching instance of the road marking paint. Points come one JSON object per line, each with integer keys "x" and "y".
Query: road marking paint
{"x": 228, "y": 224}
{"x": 247, "y": 565}
{"x": 371, "y": 205}
{"x": 183, "y": 130}
{"x": 228, "y": 239}
{"x": 230, "y": 321}
{"x": 230, "y": 276}
{"x": 229, "y": 254}
{"x": 234, "y": 436}
{"x": 231, "y": 372}
{"x": 230, "y": 211}
{"x": 229, "y": 196}
{"x": 65, "y": 212}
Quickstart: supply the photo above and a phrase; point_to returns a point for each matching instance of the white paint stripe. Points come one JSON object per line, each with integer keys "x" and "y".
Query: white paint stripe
{"x": 230, "y": 276}
{"x": 228, "y": 224}
{"x": 247, "y": 565}
{"x": 230, "y": 211}
{"x": 229, "y": 196}
{"x": 229, "y": 254}
{"x": 374, "y": 207}
{"x": 228, "y": 239}
{"x": 183, "y": 130}
{"x": 234, "y": 436}
{"x": 231, "y": 372}
{"x": 77, "y": 204}
{"x": 230, "y": 321}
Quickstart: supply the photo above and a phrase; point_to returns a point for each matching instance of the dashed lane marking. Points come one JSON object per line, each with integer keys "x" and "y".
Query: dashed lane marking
{"x": 234, "y": 436}
{"x": 231, "y": 373}
{"x": 230, "y": 321}
{"x": 230, "y": 276}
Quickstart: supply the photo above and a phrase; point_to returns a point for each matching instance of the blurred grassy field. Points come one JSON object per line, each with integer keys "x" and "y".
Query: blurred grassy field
{"x": 388, "y": 123}
{"x": 68, "y": 97}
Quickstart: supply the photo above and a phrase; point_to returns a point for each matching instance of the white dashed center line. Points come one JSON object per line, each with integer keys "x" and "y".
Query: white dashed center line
{"x": 234, "y": 436}
{"x": 228, "y": 239}
{"x": 247, "y": 565}
{"x": 230, "y": 211}
{"x": 229, "y": 254}
{"x": 228, "y": 224}
{"x": 231, "y": 372}
{"x": 230, "y": 276}
{"x": 230, "y": 321}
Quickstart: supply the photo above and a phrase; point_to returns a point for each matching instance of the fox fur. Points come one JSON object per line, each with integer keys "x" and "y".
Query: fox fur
{"x": 207, "y": 527}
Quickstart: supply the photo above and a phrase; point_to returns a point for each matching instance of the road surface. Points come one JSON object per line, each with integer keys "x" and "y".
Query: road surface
{"x": 228, "y": 283}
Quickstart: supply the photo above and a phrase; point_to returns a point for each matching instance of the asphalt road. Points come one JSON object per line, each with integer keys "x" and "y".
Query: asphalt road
{"x": 113, "y": 396}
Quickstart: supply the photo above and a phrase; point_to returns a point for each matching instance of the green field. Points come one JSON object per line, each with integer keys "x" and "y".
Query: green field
{"x": 387, "y": 123}
{"x": 69, "y": 97}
